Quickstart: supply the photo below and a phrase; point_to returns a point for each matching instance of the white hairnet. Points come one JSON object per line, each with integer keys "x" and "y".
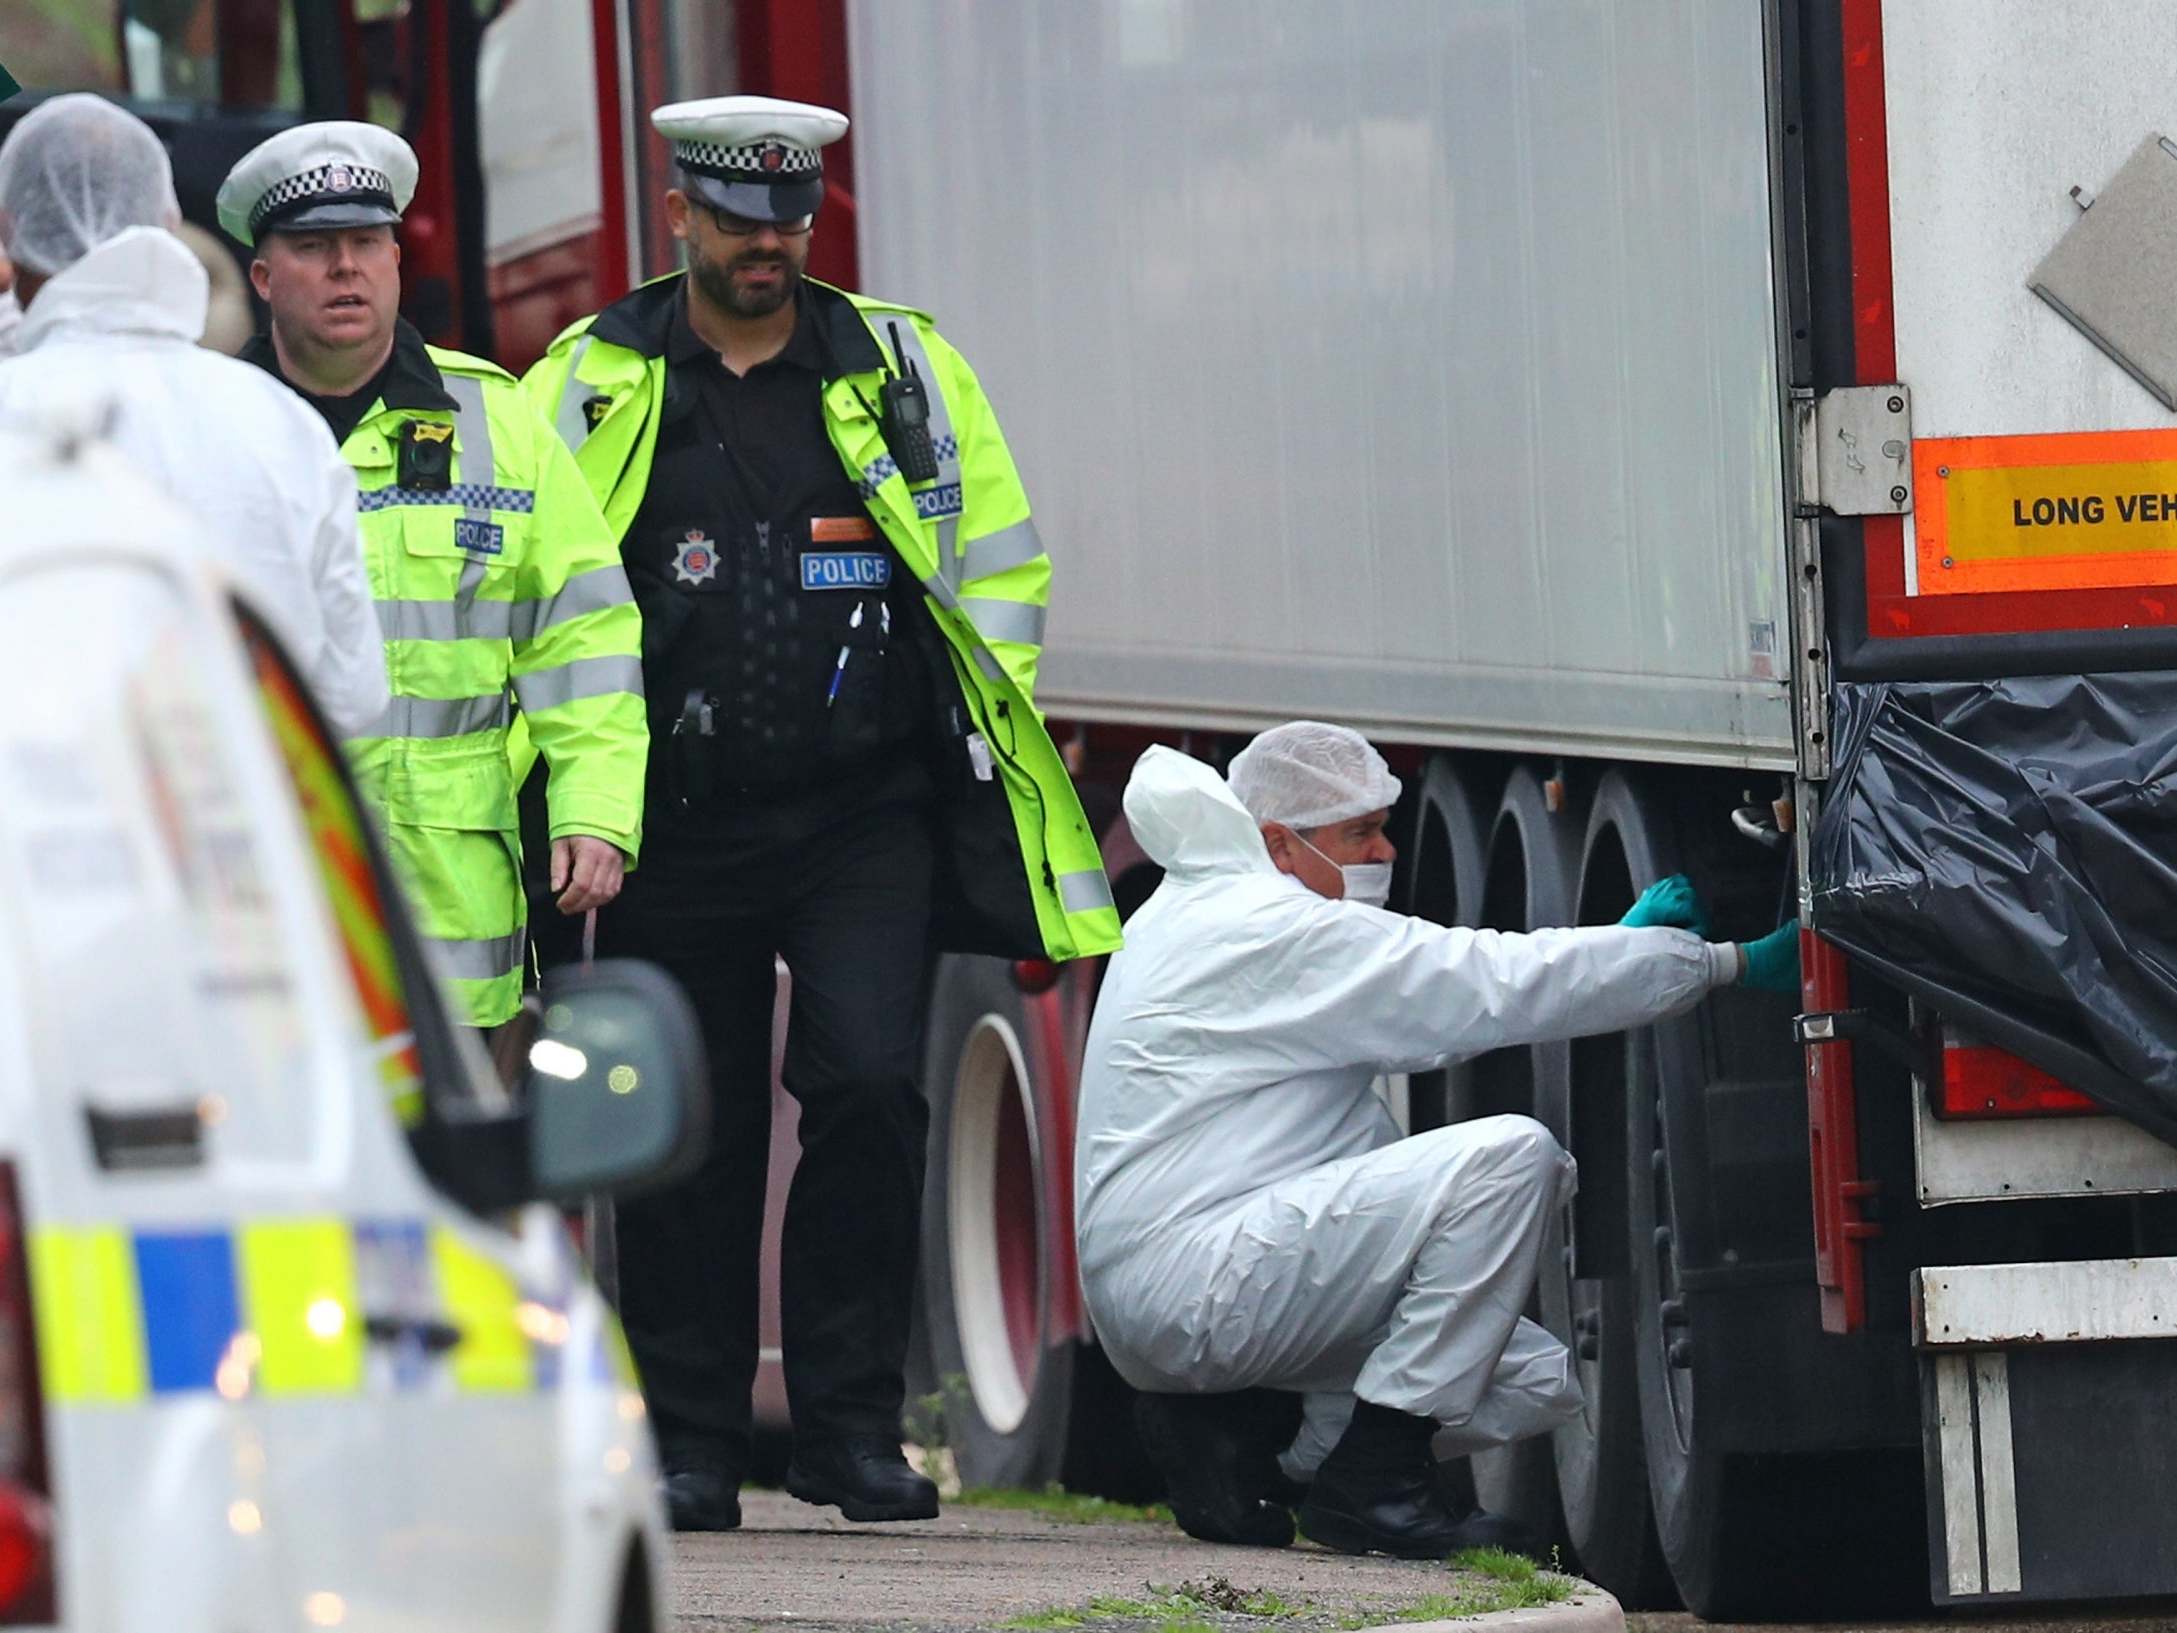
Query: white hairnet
{"x": 73, "y": 173}
{"x": 1307, "y": 774}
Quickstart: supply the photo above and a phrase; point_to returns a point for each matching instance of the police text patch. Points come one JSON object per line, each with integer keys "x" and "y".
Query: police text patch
{"x": 942, "y": 500}
{"x": 845, "y": 570}
{"x": 478, "y": 538}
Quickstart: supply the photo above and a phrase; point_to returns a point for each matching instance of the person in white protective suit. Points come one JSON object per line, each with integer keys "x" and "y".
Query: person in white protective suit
{"x": 11, "y": 310}
{"x": 1248, "y": 1214}
{"x": 113, "y": 305}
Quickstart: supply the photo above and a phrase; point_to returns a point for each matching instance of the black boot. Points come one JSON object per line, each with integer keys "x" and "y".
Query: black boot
{"x": 1215, "y": 1478}
{"x": 1379, "y": 1492}
{"x": 701, "y": 1497}
{"x": 865, "y": 1476}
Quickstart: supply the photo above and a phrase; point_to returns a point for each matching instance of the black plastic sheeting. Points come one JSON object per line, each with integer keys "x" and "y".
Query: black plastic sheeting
{"x": 2007, "y": 851}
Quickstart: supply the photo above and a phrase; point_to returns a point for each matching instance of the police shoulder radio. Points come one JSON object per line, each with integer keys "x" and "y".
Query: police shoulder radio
{"x": 904, "y": 418}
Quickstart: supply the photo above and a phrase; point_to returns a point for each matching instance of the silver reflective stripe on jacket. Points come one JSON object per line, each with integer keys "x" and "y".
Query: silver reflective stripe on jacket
{"x": 404, "y": 620}
{"x": 473, "y": 427}
{"x": 444, "y": 716}
{"x": 1017, "y": 621}
{"x": 1000, "y": 552}
{"x": 582, "y": 677}
{"x": 484, "y": 960}
{"x": 572, "y": 424}
{"x": 593, "y": 591}
{"x": 1084, "y": 892}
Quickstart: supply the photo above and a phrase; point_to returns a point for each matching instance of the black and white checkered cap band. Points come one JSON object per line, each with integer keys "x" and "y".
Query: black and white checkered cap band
{"x": 328, "y": 180}
{"x": 752, "y": 161}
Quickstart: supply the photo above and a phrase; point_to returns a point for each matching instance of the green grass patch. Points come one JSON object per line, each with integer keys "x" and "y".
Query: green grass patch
{"x": 1490, "y": 1579}
{"x": 1183, "y": 1609}
{"x": 1037, "y": 1620}
{"x": 1501, "y": 1566}
{"x": 1055, "y": 1502}
{"x": 1509, "y": 1582}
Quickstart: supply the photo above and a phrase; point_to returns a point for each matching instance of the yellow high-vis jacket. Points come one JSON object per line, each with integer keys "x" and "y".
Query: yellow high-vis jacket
{"x": 497, "y": 585}
{"x": 1019, "y": 874}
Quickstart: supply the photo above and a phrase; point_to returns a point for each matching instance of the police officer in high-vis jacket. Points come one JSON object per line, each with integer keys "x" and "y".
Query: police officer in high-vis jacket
{"x": 495, "y": 578}
{"x": 843, "y": 600}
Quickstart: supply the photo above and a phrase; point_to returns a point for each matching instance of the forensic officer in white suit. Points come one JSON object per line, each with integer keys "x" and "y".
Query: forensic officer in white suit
{"x": 1249, "y": 1215}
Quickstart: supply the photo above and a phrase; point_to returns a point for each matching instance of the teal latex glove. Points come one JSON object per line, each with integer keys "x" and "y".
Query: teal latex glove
{"x": 1772, "y": 963}
{"x": 1671, "y": 904}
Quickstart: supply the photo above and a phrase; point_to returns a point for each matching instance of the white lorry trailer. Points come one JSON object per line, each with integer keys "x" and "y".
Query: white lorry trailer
{"x": 1674, "y": 432}
{"x": 1704, "y": 434}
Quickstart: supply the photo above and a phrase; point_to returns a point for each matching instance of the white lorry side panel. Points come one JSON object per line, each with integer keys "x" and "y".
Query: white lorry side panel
{"x": 1994, "y": 114}
{"x": 1411, "y": 362}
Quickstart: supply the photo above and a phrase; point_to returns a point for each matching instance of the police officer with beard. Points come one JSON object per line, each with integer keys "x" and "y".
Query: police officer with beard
{"x": 842, "y": 596}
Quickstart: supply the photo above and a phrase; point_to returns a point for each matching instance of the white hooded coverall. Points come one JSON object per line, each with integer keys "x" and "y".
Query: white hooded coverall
{"x": 1248, "y": 1213}
{"x": 110, "y": 342}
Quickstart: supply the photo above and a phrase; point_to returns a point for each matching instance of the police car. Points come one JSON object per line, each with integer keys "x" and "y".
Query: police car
{"x": 290, "y": 1333}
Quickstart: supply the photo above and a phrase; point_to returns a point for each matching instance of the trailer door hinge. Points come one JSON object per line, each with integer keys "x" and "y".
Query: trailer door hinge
{"x": 1859, "y": 1026}
{"x": 1854, "y": 450}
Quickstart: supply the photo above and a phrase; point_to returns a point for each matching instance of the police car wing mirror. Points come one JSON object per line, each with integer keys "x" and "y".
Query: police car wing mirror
{"x": 617, "y": 1086}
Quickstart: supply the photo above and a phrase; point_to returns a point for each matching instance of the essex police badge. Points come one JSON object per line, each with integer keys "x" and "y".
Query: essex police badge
{"x": 696, "y": 560}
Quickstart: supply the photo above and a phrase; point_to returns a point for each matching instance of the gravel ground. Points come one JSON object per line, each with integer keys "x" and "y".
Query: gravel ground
{"x": 805, "y": 1569}
{"x": 794, "y": 1566}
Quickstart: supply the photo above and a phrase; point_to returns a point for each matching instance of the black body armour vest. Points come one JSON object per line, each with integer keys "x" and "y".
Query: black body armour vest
{"x": 784, "y": 641}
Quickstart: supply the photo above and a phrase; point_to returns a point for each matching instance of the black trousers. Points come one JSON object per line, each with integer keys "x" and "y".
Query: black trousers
{"x": 840, "y": 889}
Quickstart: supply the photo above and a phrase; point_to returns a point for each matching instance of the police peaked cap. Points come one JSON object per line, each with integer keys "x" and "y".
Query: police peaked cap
{"x": 336, "y": 173}
{"x": 753, "y": 156}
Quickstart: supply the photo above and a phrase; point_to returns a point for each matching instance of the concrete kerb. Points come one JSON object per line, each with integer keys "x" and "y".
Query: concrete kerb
{"x": 1589, "y": 1610}
{"x": 796, "y": 1569}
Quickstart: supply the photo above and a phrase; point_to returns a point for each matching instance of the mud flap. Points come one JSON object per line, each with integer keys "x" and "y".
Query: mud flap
{"x": 2047, "y": 1471}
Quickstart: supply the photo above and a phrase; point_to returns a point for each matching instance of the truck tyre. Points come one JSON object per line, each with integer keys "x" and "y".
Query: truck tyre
{"x": 1588, "y": 1296}
{"x": 1529, "y": 884}
{"x": 1444, "y": 872}
{"x": 998, "y": 1393}
{"x": 1745, "y": 1531}
{"x": 1720, "y": 1559}
{"x": 1712, "y": 1569}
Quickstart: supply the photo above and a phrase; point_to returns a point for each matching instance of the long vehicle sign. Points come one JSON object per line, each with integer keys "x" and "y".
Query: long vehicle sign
{"x": 2069, "y": 511}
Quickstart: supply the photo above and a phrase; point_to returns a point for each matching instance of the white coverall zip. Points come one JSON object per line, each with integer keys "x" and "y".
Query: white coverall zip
{"x": 1248, "y": 1213}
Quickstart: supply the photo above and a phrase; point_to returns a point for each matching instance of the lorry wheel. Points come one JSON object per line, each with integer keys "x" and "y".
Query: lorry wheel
{"x": 1686, "y": 1479}
{"x": 1839, "y": 1534}
{"x": 1716, "y": 1558}
{"x": 1747, "y": 1525}
{"x": 1735, "y": 1531}
{"x": 1444, "y": 886}
{"x": 999, "y": 1394}
{"x": 1588, "y": 1297}
{"x": 1528, "y": 884}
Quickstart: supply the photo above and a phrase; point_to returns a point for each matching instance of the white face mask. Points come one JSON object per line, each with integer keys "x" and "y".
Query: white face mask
{"x": 1368, "y": 883}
